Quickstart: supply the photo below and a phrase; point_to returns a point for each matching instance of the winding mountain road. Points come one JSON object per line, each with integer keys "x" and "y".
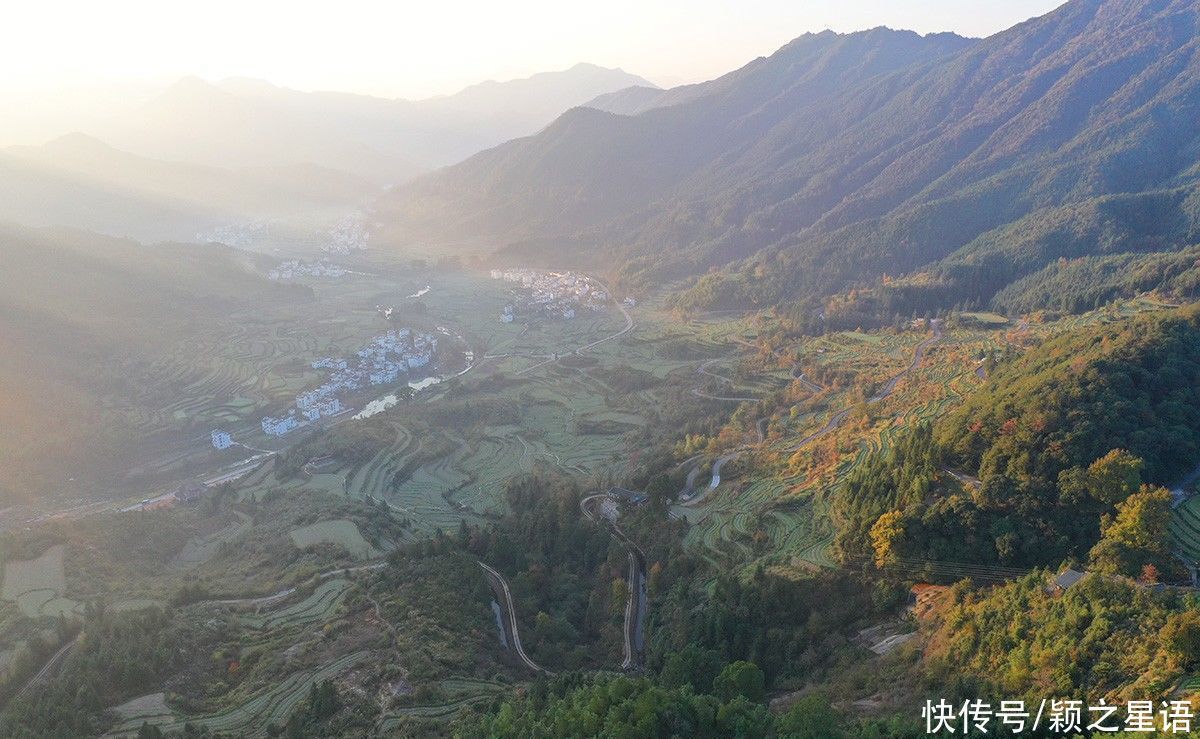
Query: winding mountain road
{"x": 500, "y": 588}
{"x": 833, "y": 423}
{"x": 634, "y": 630}
{"x": 51, "y": 664}
{"x": 703, "y": 370}
{"x": 838, "y": 418}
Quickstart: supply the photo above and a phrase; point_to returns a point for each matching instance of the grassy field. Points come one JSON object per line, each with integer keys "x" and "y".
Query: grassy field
{"x": 37, "y": 585}
{"x": 342, "y": 533}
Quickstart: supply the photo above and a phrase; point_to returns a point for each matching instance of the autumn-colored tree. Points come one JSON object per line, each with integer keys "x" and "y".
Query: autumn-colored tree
{"x": 654, "y": 576}
{"x": 1181, "y": 635}
{"x": 886, "y": 532}
{"x": 1136, "y": 536}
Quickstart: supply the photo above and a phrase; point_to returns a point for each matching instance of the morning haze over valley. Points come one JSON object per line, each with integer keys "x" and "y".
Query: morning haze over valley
{"x": 637, "y": 370}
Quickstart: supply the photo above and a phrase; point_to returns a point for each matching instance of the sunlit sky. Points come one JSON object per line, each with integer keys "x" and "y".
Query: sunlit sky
{"x": 416, "y": 49}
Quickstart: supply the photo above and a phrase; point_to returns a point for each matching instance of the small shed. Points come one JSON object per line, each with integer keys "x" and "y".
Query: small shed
{"x": 1066, "y": 579}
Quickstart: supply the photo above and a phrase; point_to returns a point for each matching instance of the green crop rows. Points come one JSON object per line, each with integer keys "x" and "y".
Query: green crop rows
{"x": 252, "y": 718}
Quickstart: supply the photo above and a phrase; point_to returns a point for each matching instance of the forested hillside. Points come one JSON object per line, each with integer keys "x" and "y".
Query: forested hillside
{"x": 618, "y": 175}
{"x": 1056, "y": 456}
{"x": 843, "y": 158}
{"x": 76, "y": 311}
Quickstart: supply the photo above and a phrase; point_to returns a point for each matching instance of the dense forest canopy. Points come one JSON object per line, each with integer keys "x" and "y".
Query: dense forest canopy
{"x": 1058, "y": 438}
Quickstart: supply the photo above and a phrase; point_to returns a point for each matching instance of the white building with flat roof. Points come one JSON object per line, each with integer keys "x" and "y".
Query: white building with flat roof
{"x": 279, "y": 426}
{"x": 221, "y": 439}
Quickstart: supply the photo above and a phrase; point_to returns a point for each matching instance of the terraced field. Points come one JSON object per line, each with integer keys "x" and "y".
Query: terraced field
{"x": 374, "y": 479}
{"x": 460, "y": 693}
{"x": 252, "y": 718}
{"x": 200, "y": 549}
{"x": 316, "y": 608}
{"x": 781, "y": 520}
{"x": 1185, "y": 528}
{"x": 1190, "y": 685}
{"x": 151, "y": 709}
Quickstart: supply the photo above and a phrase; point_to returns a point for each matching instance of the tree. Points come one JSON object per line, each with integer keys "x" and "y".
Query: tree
{"x": 1181, "y": 634}
{"x": 693, "y": 665}
{"x": 742, "y": 718}
{"x": 1136, "y": 536}
{"x": 885, "y": 533}
{"x": 1115, "y": 476}
{"x": 323, "y": 701}
{"x": 620, "y": 593}
{"x": 741, "y": 678}
{"x": 811, "y": 717}
{"x": 660, "y": 491}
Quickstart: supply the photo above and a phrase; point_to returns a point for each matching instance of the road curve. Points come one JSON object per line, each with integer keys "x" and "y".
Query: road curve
{"x": 628, "y": 327}
{"x": 918, "y": 355}
{"x": 807, "y": 383}
{"x": 636, "y": 600}
{"x": 731, "y": 399}
{"x": 716, "y": 477}
{"x": 837, "y": 419}
{"x": 703, "y": 370}
{"x": 500, "y": 587}
{"x": 51, "y": 664}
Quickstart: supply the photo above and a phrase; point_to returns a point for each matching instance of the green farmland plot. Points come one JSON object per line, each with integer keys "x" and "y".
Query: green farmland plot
{"x": 316, "y": 608}
{"x": 151, "y": 709}
{"x": 37, "y": 585}
{"x": 254, "y": 717}
{"x": 459, "y": 693}
{"x": 1185, "y": 528}
{"x": 341, "y": 532}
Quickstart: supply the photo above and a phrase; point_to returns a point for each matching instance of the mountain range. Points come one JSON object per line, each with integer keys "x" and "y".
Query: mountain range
{"x": 839, "y": 159}
{"x": 199, "y": 157}
{"x": 246, "y": 122}
{"x": 79, "y": 181}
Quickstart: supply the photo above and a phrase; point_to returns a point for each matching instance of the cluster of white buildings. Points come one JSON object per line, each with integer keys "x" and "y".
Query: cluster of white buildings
{"x": 221, "y": 439}
{"x": 240, "y": 235}
{"x": 294, "y": 268}
{"x": 281, "y": 425}
{"x": 556, "y": 294}
{"x": 381, "y": 362}
{"x": 347, "y": 235}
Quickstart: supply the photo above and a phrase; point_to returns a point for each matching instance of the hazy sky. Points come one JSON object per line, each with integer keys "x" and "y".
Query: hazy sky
{"x": 415, "y": 49}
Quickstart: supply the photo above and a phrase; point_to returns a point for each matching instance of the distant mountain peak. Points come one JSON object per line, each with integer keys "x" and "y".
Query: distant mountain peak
{"x": 620, "y": 78}
{"x": 839, "y": 156}
{"x": 77, "y": 141}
